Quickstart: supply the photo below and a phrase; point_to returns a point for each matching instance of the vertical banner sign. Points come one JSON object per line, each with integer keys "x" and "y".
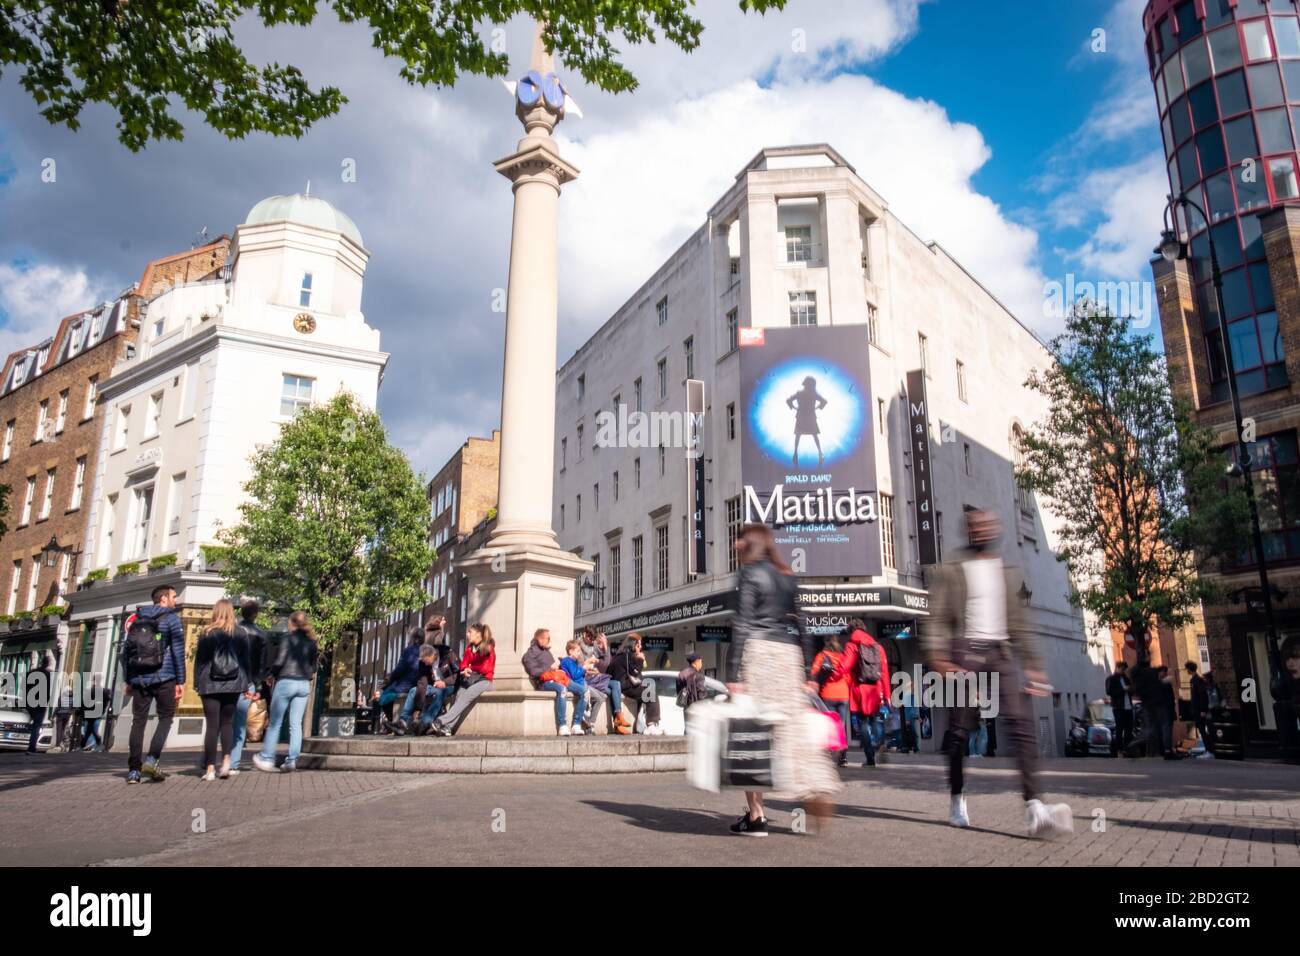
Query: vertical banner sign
{"x": 808, "y": 457}
{"x": 918, "y": 428}
{"x": 697, "y": 550}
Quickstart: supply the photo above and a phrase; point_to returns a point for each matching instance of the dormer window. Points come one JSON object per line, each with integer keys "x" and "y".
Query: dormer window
{"x": 304, "y": 294}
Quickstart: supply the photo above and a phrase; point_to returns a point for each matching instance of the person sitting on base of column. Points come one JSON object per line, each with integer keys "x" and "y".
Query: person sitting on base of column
{"x": 477, "y": 667}
{"x": 625, "y": 667}
{"x": 600, "y": 686}
{"x": 539, "y": 665}
{"x": 572, "y": 665}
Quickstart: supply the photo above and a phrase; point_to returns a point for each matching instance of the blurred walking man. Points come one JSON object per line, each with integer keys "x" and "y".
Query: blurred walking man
{"x": 976, "y": 625}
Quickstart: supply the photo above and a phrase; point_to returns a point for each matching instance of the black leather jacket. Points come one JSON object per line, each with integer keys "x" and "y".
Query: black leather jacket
{"x": 296, "y": 657}
{"x": 768, "y": 611}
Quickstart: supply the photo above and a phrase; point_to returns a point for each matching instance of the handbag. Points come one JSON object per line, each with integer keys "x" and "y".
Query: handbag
{"x": 255, "y": 726}
{"x": 731, "y": 746}
{"x": 466, "y": 681}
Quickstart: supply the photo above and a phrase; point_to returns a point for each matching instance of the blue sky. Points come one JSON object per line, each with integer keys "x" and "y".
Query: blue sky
{"x": 989, "y": 126}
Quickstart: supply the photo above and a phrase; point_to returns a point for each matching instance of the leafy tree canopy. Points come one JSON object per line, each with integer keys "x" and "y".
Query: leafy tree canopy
{"x": 143, "y": 57}
{"x": 335, "y": 524}
{"x": 1139, "y": 487}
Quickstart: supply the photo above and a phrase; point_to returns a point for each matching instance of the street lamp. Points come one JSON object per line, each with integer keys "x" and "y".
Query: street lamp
{"x": 588, "y": 589}
{"x": 1172, "y": 249}
{"x": 51, "y": 553}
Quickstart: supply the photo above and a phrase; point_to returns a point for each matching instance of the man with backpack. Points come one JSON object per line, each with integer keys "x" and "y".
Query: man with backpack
{"x": 258, "y": 689}
{"x": 868, "y": 673}
{"x": 154, "y": 655}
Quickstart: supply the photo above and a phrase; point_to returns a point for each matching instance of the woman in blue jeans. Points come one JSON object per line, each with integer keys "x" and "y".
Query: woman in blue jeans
{"x": 290, "y": 674}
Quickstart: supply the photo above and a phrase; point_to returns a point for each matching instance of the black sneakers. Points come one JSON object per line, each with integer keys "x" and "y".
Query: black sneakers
{"x": 747, "y": 827}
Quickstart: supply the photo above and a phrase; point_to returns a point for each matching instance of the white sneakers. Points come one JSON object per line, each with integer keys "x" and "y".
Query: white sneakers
{"x": 1048, "y": 819}
{"x": 577, "y": 731}
{"x": 653, "y": 730}
{"x": 957, "y": 815}
{"x": 564, "y": 730}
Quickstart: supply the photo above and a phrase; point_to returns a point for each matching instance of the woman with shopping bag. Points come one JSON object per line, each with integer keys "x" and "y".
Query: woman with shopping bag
{"x": 771, "y": 659}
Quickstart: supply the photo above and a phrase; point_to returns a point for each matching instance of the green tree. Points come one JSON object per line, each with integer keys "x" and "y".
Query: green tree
{"x": 335, "y": 524}
{"x": 1139, "y": 487}
{"x": 143, "y": 57}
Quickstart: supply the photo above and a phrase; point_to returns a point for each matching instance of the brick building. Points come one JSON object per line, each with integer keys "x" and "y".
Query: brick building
{"x": 462, "y": 510}
{"x": 1224, "y": 76}
{"x": 51, "y": 417}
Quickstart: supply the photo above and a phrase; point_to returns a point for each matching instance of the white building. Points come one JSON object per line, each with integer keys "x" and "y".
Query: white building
{"x": 800, "y": 239}
{"x": 219, "y": 366}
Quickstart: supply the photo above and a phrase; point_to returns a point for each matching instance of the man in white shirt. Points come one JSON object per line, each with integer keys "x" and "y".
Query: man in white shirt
{"x": 976, "y": 626}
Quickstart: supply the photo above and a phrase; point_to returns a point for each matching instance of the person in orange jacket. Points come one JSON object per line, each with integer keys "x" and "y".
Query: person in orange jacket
{"x": 863, "y": 660}
{"x": 833, "y": 684}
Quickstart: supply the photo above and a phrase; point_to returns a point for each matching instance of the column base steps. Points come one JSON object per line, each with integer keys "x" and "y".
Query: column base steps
{"x": 634, "y": 754}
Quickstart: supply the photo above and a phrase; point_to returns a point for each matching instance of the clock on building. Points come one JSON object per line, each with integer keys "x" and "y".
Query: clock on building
{"x": 304, "y": 323}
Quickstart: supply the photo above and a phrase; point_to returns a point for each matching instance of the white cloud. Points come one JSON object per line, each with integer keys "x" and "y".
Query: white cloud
{"x": 1125, "y": 205}
{"x": 34, "y": 297}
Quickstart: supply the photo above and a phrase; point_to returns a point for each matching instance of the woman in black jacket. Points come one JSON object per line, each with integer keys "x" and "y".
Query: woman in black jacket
{"x": 771, "y": 657}
{"x": 221, "y": 674}
{"x": 291, "y": 674}
{"x": 625, "y": 668}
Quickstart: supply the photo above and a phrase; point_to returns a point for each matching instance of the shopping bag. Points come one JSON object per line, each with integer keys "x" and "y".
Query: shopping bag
{"x": 824, "y": 728}
{"x": 255, "y": 728}
{"x": 731, "y": 746}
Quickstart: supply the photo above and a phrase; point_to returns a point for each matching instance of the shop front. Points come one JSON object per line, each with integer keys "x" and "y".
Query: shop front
{"x": 1251, "y": 661}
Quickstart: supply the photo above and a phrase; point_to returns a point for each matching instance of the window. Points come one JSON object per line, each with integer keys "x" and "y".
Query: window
{"x": 595, "y": 497}
{"x": 636, "y": 473}
{"x": 923, "y": 344}
{"x": 62, "y": 418}
{"x": 965, "y": 452}
{"x": 158, "y": 326}
{"x": 582, "y": 387}
{"x": 798, "y": 243}
{"x": 9, "y": 439}
{"x": 663, "y": 459}
{"x": 615, "y": 574}
{"x": 1257, "y": 350}
{"x": 661, "y": 558}
{"x": 42, "y": 417}
{"x": 688, "y": 347}
{"x": 662, "y": 369}
{"x": 1258, "y": 44}
{"x": 731, "y": 421}
{"x": 733, "y": 532}
{"x": 1024, "y": 500}
{"x": 803, "y": 308}
{"x": 123, "y": 427}
{"x": 636, "y": 388}
{"x": 887, "y": 531}
{"x": 155, "y": 415}
{"x": 595, "y": 582}
{"x": 28, "y": 499}
{"x": 175, "y": 505}
{"x": 579, "y": 443}
{"x": 880, "y": 414}
{"x": 14, "y": 582}
{"x": 32, "y": 582}
{"x": 108, "y": 524}
{"x": 295, "y": 395}
{"x": 78, "y": 484}
{"x": 733, "y": 329}
{"x": 873, "y": 325}
{"x": 189, "y": 391}
{"x": 661, "y": 309}
{"x": 304, "y": 294}
{"x": 47, "y": 500}
{"x": 92, "y": 395}
{"x": 638, "y": 562}
{"x": 65, "y": 573}
{"x": 577, "y": 511}
{"x": 142, "y": 505}
{"x": 1275, "y": 470}
{"x": 961, "y": 380}
{"x": 561, "y": 517}
{"x": 614, "y": 481}
{"x": 564, "y": 453}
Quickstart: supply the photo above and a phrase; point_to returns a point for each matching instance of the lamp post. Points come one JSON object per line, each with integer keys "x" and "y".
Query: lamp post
{"x": 1172, "y": 249}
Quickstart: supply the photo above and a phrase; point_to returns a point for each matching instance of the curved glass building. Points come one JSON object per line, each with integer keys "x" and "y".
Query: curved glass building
{"x": 1227, "y": 82}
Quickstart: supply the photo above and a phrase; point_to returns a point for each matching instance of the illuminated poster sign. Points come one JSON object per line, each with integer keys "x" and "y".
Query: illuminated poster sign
{"x": 807, "y": 452}
{"x": 918, "y": 429}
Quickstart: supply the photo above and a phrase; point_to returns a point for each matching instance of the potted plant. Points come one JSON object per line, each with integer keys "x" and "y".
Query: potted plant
{"x": 128, "y": 567}
{"x": 99, "y": 574}
{"x": 162, "y": 562}
{"x": 52, "y": 613}
{"x": 24, "y": 620}
{"x": 5, "y": 621}
{"x": 214, "y": 555}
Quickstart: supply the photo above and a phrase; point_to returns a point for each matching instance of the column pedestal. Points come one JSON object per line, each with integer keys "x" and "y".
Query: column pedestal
{"x": 514, "y": 590}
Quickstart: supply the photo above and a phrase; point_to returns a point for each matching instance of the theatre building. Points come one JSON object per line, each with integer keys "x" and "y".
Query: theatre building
{"x": 804, "y": 359}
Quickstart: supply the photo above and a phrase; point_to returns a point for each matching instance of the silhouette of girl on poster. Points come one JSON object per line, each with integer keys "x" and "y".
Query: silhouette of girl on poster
{"x": 805, "y": 421}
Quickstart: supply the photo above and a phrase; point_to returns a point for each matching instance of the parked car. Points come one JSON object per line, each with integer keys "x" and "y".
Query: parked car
{"x": 1093, "y": 733}
{"x": 16, "y": 727}
{"x": 671, "y": 717}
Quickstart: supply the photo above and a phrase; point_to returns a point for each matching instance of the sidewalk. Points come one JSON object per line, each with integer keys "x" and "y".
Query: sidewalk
{"x": 76, "y": 809}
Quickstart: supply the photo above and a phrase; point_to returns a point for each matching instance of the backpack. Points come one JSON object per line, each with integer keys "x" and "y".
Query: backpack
{"x": 225, "y": 663}
{"x": 868, "y": 670}
{"x": 144, "y": 646}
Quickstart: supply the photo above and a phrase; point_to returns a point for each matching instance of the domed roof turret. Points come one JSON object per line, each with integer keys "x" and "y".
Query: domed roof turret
{"x": 307, "y": 210}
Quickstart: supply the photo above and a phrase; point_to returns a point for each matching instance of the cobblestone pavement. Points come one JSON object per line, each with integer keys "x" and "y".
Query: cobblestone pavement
{"x": 75, "y": 809}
